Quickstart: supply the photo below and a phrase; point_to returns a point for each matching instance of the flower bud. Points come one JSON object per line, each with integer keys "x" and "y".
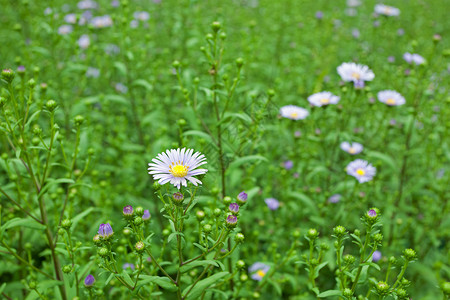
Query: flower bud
{"x": 239, "y": 62}
{"x": 312, "y": 233}
{"x": 176, "y": 64}
{"x": 178, "y": 198}
{"x": 166, "y": 232}
{"x": 231, "y": 221}
{"x": 67, "y": 269}
{"x": 200, "y": 215}
{"x": 357, "y": 232}
{"x": 215, "y": 26}
{"x": 97, "y": 240}
{"x": 445, "y": 286}
{"x": 140, "y": 247}
{"x": 239, "y": 238}
{"x": 227, "y": 200}
{"x": 138, "y": 221}
{"x": 347, "y": 293}
{"x": 78, "y": 120}
{"x": 61, "y": 231}
{"x": 378, "y": 238}
{"x": 339, "y": 231}
{"x": 349, "y": 259}
{"x": 241, "y": 199}
{"x": 240, "y": 264}
{"x": 207, "y": 228}
{"x": 217, "y": 212}
{"x": 32, "y": 285}
{"x": 146, "y": 216}
{"x": 296, "y": 234}
{"x": 324, "y": 246}
{"x": 405, "y": 282}
{"x": 31, "y": 83}
{"x": 409, "y": 254}
{"x": 382, "y": 288}
{"x": 233, "y": 208}
{"x": 66, "y": 224}
{"x": 89, "y": 281}
{"x": 372, "y": 216}
{"x": 105, "y": 231}
{"x": 139, "y": 211}
{"x": 51, "y": 105}
{"x": 243, "y": 277}
{"x": 128, "y": 212}
{"x": 103, "y": 252}
{"x": 8, "y": 75}
{"x": 401, "y": 294}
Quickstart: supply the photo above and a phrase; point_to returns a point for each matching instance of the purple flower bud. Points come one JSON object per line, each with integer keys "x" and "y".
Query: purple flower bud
{"x": 376, "y": 256}
{"x": 242, "y": 198}
{"x": 128, "y": 211}
{"x": 372, "y": 213}
{"x": 89, "y": 281}
{"x": 231, "y": 221}
{"x": 234, "y": 208}
{"x": 128, "y": 265}
{"x": 391, "y": 59}
{"x": 272, "y": 203}
{"x": 359, "y": 84}
{"x": 298, "y": 134}
{"x": 20, "y": 69}
{"x": 178, "y": 197}
{"x": 400, "y": 31}
{"x": 146, "y": 216}
{"x": 105, "y": 231}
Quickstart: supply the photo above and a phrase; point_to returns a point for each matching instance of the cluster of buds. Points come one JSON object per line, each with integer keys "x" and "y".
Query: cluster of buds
{"x": 233, "y": 209}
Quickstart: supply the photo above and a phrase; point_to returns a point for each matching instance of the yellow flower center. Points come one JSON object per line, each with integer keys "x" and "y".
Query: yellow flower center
{"x": 361, "y": 172}
{"x": 390, "y": 101}
{"x": 294, "y": 115}
{"x": 356, "y": 75}
{"x": 261, "y": 273}
{"x": 324, "y": 101}
{"x": 179, "y": 170}
{"x": 351, "y": 150}
{"x": 387, "y": 10}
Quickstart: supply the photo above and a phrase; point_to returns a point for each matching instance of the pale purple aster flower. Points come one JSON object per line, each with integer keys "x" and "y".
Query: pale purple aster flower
{"x": 296, "y": 175}
{"x": 392, "y": 122}
{"x": 70, "y": 18}
{"x": 87, "y": 4}
{"x": 258, "y": 270}
{"x": 400, "y": 31}
{"x": 317, "y": 131}
{"x": 376, "y": 23}
{"x": 293, "y": 112}
{"x": 361, "y": 170}
{"x": 413, "y": 58}
{"x": 355, "y": 33}
{"x": 335, "y": 198}
{"x": 121, "y": 88}
{"x": 105, "y": 230}
{"x": 128, "y": 265}
{"x": 176, "y": 166}
{"x": 84, "y": 41}
{"x": 351, "y": 12}
{"x": 92, "y": 72}
{"x": 386, "y": 10}
{"x": 323, "y": 98}
{"x": 391, "y": 98}
{"x": 65, "y": 29}
{"x": 272, "y": 203}
{"x": 391, "y": 59}
{"x": 288, "y": 164}
{"x": 146, "y": 216}
{"x": 319, "y": 15}
{"x": 134, "y": 23}
{"x": 115, "y": 3}
{"x": 141, "y": 16}
{"x": 297, "y": 133}
{"x": 89, "y": 280}
{"x": 356, "y": 73}
{"x": 353, "y": 148}
{"x": 376, "y": 256}
{"x": 102, "y": 21}
{"x": 48, "y": 11}
{"x": 21, "y": 69}
{"x": 353, "y": 3}
{"x": 112, "y": 49}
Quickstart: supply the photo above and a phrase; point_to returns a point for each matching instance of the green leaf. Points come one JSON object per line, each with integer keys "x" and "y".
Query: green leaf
{"x": 143, "y": 83}
{"x": 386, "y": 159}
{"x": 29, "y": 223}
{"x": 304, "y": 199}
{"x": 47, "y": 284}
{"x": 163, "y": 282}
{"x": 330, "y": 293}
{"x": 111, "y": 276}
{"x": 121, "y": 67}
{"x": 194, "y": 264}
{"x": 127, "y": 278}
{"x": 2, "y": 288}
{"x": 233, "y": 116}
{"x": 199, "y": 134}
{"x": 80, "y": 216}
{"x": 202, "y": 285}
{"x": 52, "y": 182}
{"x": 247, "y": 159}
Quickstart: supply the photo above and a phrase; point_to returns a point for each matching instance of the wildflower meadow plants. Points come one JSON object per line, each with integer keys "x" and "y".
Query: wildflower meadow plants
{"x": 239, "y": 150}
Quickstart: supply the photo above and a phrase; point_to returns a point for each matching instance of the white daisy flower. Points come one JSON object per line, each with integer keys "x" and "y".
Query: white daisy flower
{"x": 175, "y": 166}
{"x": 356, "y": 73}
{"x": 353, "y": 148}
{"x": 386, "y": 10}
{"x": 361, "y": 170}
{"x": 323, "y": 98}
{"x": 293, "y": 112}
{"x": 413, "y": 58}
{"x": 391, "y": 98}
